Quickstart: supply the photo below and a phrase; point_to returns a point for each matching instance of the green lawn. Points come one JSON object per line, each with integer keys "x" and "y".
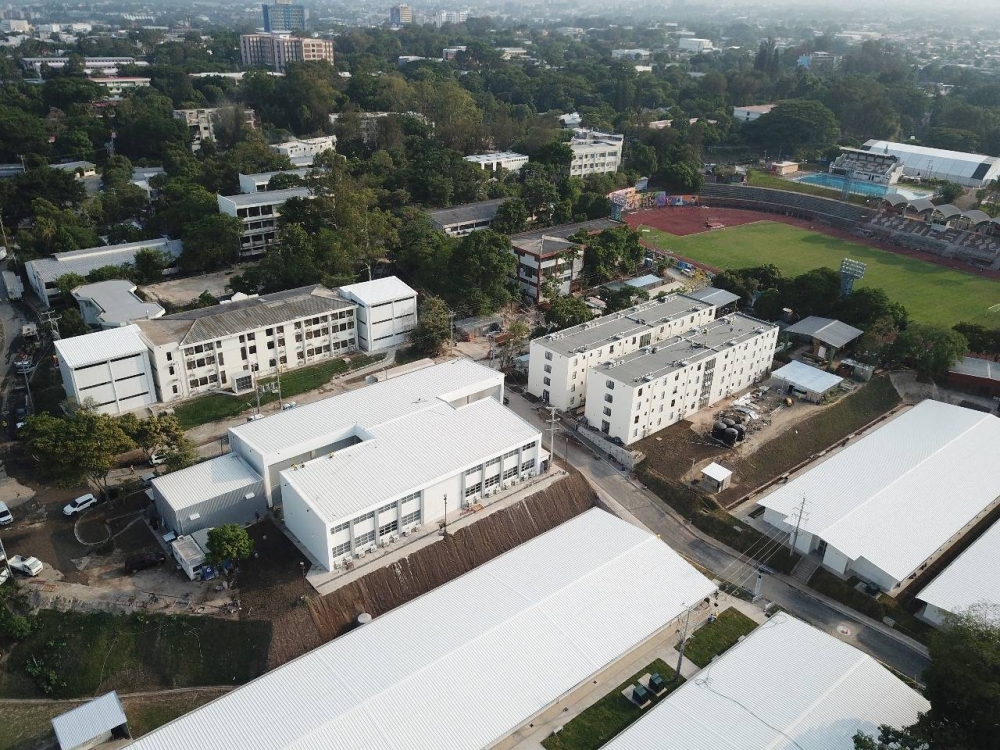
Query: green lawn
{"x": 844, "y": 592}
{"x": 217, "y": 406}
{"x": 931, "y": 293}
{"x": 610, "y": 715}
{"x": 714, "y": 638}
{"x": 73, "y": 654}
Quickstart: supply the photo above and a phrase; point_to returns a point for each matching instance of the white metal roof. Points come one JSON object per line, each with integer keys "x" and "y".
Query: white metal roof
{"x": 465, "y": 664}
{"x": 92, "y": 719}
{"x": 266, "y": 198}
{"x": 964, "y": 168}
{"x": 898, "y": 494}
{"x": 118, "y": 302}
{"x": 973, "y": 576}
{"x": 377, "y": 291}
{"x": 86, "y": 260}
{"x": 827, "y": 330}
{"x": 205, "y": 480}
{"x": 91, "y": 348}
{"x": 718, "y": 472}
{"x": 311, "y": 424}
{"x": 786, "y": 686}
{"x": 807, "y": 377}
{"x": 399, "y": 458}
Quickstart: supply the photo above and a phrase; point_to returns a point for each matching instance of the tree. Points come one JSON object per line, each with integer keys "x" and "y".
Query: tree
{"x": 815, "y": 292}
{"x": 160, "y": 433}
{"x": 619, "y": 299}
{"x": 875, "y": 345}
{"x": 149, "y": 264}
{"x": 511, "y": 217}
{"x": 567, "y": 311}
{"x": 228, "y": 543}
{"x": 982, "y": 340}
{"x": 71, "y": 323}
{"x": 210, "y": 243}
{"x": 433, "y": 330}
{"x": 610, "y": 253}
{"x": 82, "y": 447}
{"x": 768, "y": 305}
{"x": 793, "y": 125}
{"x": 869, "y": 304}
{"x": 483, "y": 266}
{"x": 949, "y": 192}
{"x": 517, "y": 336}
{"x": 183, "y": 453}
{"x": 929, "y": 349}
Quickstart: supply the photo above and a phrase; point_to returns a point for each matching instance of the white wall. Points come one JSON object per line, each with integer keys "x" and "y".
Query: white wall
{"x": 869, "y": 572}
{"x": 306, "y": 525}
{"x": 387, "y": 324}
{"x": 934, "y": 615}
{"x": 836, "y": 560}
{"x": 115, "y": 387}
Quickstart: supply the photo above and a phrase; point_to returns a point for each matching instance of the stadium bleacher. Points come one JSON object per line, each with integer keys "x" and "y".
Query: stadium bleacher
{"x": 800, "y": 205}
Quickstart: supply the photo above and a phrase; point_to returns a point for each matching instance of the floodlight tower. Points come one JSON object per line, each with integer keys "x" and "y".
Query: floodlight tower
{"x": 850, "y": 271}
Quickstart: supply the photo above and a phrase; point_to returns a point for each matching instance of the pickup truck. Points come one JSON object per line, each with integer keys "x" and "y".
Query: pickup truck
{"x": 30, "y": 566}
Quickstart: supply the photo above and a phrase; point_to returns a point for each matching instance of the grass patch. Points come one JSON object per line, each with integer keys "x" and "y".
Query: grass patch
{"x": 74, "y": 654}
{"x": 756, "y": 178}
{"x": 812, "y": 435}
{"x": 216, "y": 406}
{"x": 931, "y": 293}
{"x": 844, "y": 592}
{"x": 706, "y": 515}
{"x": 610, "y": 715}
{"x": 714, "y": 638}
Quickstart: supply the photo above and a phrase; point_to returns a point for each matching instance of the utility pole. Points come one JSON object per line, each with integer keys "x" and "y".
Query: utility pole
{"x": 756, "y": 587}
{"x": 680, "y": 647}
{"x": 798, "y": 523}
{"x": 50, "y": 319}
{"x": 451, "y": 328}
{"x": 444, "y": 533}
{"x": 552, "y": 436}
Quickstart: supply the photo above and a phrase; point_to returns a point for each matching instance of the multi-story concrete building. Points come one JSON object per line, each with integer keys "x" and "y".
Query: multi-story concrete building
{"x": 284, "y": 16}
{"x": 118, "y": 85}
{"x": 113, "y": 304}
{"x": 498, "y": 160}
{"x": 200, "y": 123}
{"x": 302, "y": 151}
{"x": 694, "y": 44}
{"x": 259, "y": 213}
{"x": 226, "y": 347}
{"x": 43, "y": 273}
{"x": 595, "y": 152}
{"x": 400, "y": 15}
{"x": 751, "y": 112}
{"x": 96, "y": 64}
{"x": 259, "y": 181}
{"x": 548, "y": 254}
{"x": 459, "y": 221}
{"x": 275, "y": 51}
{"x": 559, "y": 363}
{"x": 109, "y": 370}
{"x": 387, "y": 312}
{"x": 632, "y": 396}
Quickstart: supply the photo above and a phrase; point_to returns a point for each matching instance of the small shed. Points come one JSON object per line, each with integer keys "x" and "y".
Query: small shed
{"x": 189, "y": 555}
{"x": 827, "y": 335}
{"x": 807, "y": 382}
{"x": 716, "y": 477}
{"x": 782, "y": 168}
{"x": 975, "y": 375}
{"x": 95, "y": 722}
{"x": 470, "y": 329}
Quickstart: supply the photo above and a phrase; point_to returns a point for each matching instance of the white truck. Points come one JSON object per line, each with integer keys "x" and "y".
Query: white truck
{"x": 30, "y": 566}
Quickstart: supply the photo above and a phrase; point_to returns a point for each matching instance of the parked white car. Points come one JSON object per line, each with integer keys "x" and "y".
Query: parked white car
{"x": 30, "y": 566}
{"x": 5, "y": 516}
{"x": 157, "y": 458}
{"x": 79, "y": 505}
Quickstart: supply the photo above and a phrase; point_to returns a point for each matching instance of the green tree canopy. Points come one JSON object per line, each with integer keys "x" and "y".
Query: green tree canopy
{"x": 433, "y": 330}
{"x": 794, "y": 125}
{"x": 228, "y": 543}
{"x": 511, "y": 217}
{"x": 567, "y": 311}
{"x": 929, "y": 349}
{"x": 482, "y": 269}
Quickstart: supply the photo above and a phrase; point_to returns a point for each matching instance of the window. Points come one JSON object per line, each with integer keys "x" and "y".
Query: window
{"x": 493, "y": 462}
{"x": 611, "y": 385}
{"x": 491, "y": 481}
{"x": 473, "y": 470}
{"x": 636, "y": 420}
{"x": 530, "y": 445}
{"x": 170, "y": 357}
{"x": 474, "y": 489}
{"x": 387, "y": 529}
{"x": 528, "y": 464}
{"x": 547, "y": 381}
{"x": 548, "y": 368}
{"x": 607, "y": 411}
{"x": 387, "y": 508}
{"x": 511, "y": 472}
{"x": 367, "y": 538}
{"x": 410, "y": 518}
{"x": 340, "y": 527}
{"x": 175, "y": 389}
{"x": 609, "y": 398}
{"x": 548, "y": 355}
{"x": 341, "y": 549}
{"x": 605, "y": 427}
{"x": 510, "y": 454}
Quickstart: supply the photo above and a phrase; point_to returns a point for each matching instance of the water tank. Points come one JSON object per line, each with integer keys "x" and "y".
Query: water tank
{"x": 740, "y": 432}
{"x": 718, "y": 428}
{"x": 728, "y": 422}
{"x": 364, "y": 618}
{"x": 729, "y": 437}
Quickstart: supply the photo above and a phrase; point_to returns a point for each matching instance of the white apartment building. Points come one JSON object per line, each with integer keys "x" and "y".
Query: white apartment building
{"x": 89, "y": 63}
{"x": 494, "y": 162}
{"x": 559, "y": 363}
{"x": 387, "y": 312}
{"x": 109, "y": 369}
{"x": 43, "y": 273}
{"x": 595, "y": 152}
{"x": 113, "y": 304}
{"x": 200, "y": 123}
{"x": 227, "y": 346}
{"x": 259, "y": 213}
{"x": 548, "y": 254}
{"x": 694, "y": 44}
{"x": 751, "y": 112}
{"x": 631, "y": 54}
{"x": 118, "y": 85}
{"x": 302, "y": 151}
{"x": 275, "y": 51}
{"x": 258, "y": 181}
{"x": 638, "y": 394}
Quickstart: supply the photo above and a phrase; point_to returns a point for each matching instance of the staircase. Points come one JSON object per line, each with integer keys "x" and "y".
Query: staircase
{"x": 805, "y": 567}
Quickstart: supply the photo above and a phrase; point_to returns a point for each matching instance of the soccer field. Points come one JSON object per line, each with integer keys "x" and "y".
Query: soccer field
{"x": 931, "y": 293}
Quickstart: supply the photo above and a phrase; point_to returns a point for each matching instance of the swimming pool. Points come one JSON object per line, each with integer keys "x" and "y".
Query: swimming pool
{"x": 870, "y": 189}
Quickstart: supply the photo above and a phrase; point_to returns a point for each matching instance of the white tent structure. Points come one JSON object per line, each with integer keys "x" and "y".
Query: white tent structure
{"x": 970, "y": 170}
{"x": 464, "y": 665}
{"x": 786, "y": 686}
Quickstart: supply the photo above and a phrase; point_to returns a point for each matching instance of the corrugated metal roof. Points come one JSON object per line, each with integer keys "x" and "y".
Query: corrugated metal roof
{"x": 464, "y": 665}
{"x": 714, "y": 296}
{"x": 977, "y": 368}
{"x": 118, "y": 302}
{"x": 957, "y": 166}
{"x": 85, "y": 261}
{"x": 973, "y": 576}
{"x": 807, "y": 377}
{"x": 206, "y": 480}
{"x": 827, "y": 330}
{"x": 92, "y": 719}
{"x": 91, "y": 348}
{"x": 368, "y": 406}
{"x": 481, "y": 211}
{"x": 354, "y": 479}
{"x": 266, "y": 198}
{"x": 230, "y": 319}
{"x": 899, "y": 493}
{"x": 377, "y": 291}
{"x": 787, "y": 686}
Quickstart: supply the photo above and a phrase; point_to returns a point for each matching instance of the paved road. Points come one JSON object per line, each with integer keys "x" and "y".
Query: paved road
{"x": 874, "y": 638}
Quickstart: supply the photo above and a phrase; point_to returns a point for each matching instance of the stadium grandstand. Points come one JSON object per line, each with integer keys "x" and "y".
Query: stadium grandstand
{"x": 968, "y": 170}
{"x": 828, "y": 211}
{"x": 859, "y": 165}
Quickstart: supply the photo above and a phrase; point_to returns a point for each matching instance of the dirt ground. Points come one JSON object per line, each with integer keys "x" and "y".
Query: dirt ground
{"x": 185, "y": 291}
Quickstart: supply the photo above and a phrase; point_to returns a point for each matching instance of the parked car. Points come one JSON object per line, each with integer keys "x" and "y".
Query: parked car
{"x": 157, "y": 458}
{"x": 5, "y": 516}
{"x": 30, "y": 566}
{"x": 142, "y": 561}
{"x": 79, "y": 505}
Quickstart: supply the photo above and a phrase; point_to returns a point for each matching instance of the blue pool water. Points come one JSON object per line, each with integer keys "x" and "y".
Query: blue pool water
{"x": 836, "y": 182}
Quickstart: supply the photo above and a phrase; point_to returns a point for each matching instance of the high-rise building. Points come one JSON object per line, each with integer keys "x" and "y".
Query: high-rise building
{"x": 284, "y": 16}
{"x": 277, "y": 50}
{"x": 400, "y": 15}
